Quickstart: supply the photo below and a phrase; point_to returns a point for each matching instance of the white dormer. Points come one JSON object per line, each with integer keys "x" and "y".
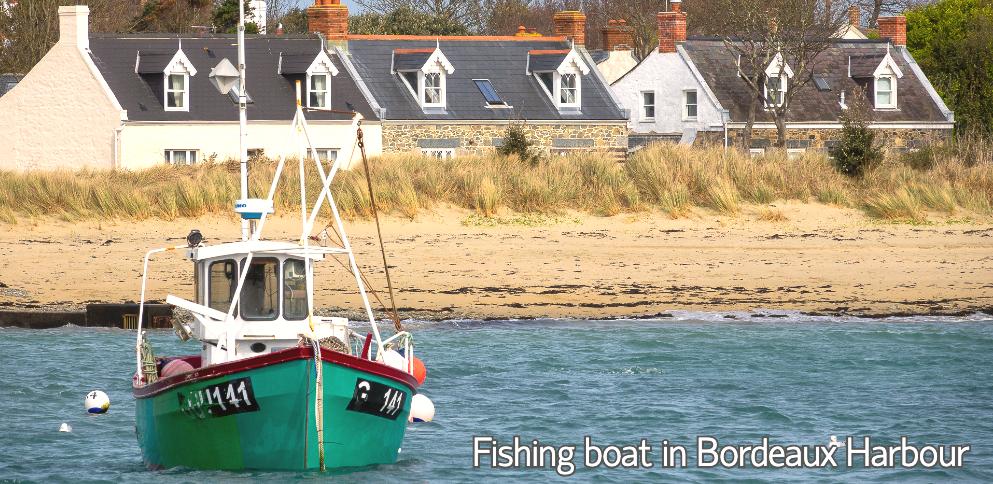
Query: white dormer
{"x": 176, "y": 82}
{"x": 319, "y": 76}
{"x": 560, "y": 74}
{"x": 777, "y": 77}
{"x": 425, "y": 73}
{"x": 884, "y": 72}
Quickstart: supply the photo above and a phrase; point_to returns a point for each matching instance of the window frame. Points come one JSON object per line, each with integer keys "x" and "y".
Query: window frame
{"x": 277, "y": 313}
{"x": 892, "y": 92}
{"x": 695, "y": 104}
{"x": 562, "y": 89}
{"x": 326, "y": 92}
{"x": 783, "y": 85}
{"x": 644, "y": 106}
{"x": 282, "y": 288}
{"x": 323, "y": 157}
{"x": 168, "y": 90}
{"x": 208, "y": 287}
{"x": 170, "y": 154}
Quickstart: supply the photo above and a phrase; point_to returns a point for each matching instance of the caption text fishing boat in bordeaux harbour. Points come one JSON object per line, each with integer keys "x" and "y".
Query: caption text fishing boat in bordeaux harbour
{"x": 274, "y": 387}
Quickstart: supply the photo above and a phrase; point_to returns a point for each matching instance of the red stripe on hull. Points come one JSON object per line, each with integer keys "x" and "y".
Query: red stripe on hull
{"x": 290, "y": 354}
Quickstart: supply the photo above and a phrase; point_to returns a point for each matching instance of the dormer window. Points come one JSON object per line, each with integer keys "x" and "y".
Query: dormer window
{"x": 176, "y": 71}
{"x": 881, "y": 72}
{"x": 560, "y": 75}
{"x": 318, "y": 69}
{"x": 885, "y": 92}
{"x": 777, "y": 79}
{"x": 318, "y": 89}
{"x": 425, "y": 74}
{"x": 177, "y": 95}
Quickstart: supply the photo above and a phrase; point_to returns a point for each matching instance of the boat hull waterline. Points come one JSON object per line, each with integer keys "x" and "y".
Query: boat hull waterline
{"x": 259, "y": 413}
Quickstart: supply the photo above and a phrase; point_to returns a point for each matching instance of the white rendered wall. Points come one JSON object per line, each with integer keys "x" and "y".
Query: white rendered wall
{"x": 618, "y": 63}
{"x": 668, "y": 75}
{"x": 60, "y": 115}
{"x": 144, "y": 144}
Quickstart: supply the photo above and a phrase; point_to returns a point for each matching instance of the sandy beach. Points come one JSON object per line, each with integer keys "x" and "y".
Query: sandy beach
{"x": 450, "y": 264}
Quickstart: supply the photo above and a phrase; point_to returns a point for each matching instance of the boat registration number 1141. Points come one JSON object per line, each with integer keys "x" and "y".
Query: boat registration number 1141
{"x": 220, "y": 399}
{"x": 377, "y": 399}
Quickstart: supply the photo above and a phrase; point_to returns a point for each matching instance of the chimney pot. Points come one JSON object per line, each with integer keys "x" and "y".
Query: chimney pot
{"x": 676, "y": 5}
{"x": 617, "y": 36}
{"x": 74, "y": 25}
{"x": 672, "y": 28}
{"x": 894, "y": 28}
{"x": 571, "y": 24}
{"x": 330, "y": 18}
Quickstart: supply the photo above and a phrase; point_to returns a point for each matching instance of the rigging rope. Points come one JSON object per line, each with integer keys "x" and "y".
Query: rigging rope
{"x": 379, "y": 233}
{"x": 319, "y": 402}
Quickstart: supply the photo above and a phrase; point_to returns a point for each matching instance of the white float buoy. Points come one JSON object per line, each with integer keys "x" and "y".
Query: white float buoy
{"x": 65, "y": 427}
{"x": 96, "y": 402}
{"x": 394, "y": 359}
{"x": 421, "y": 408}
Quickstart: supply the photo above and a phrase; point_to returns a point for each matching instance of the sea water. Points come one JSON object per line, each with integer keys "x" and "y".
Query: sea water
{"x": 795, "y": 380}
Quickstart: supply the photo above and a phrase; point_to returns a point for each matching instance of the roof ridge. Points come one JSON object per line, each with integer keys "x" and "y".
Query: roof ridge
{"x": 511, "y": 38}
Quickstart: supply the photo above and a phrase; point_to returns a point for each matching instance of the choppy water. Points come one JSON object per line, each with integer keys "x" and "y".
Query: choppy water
{"x": 796, "y": 380}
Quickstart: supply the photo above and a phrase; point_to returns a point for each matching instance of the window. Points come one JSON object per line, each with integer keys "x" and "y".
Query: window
{"x": 260, "y": 293}
{"x": 222, "y": 279}
{"x": 648, "y": 105}
{"x": 181, "y": 157}
{"x": 689, "y": 104}
{"x": 822, "y": 83}
{"x": 432, "y": 88}
{"x": 318, "y": 91}
{"x": 428, "y": 89}
{"x": 327, "y": 155}
{"x": 490, "y": 94}
{"x": 547, "y": 80}
{"x": 439, "y": 153}
{"x": 775, "y": 88}
{"x": 568, "y": 89}
{"x": 294, "y": 290}
{"x": 177, "y": 95}
{"x": 794, "y": 153}
{"x": 885, "y": 92}
{"x": 756, "y": 152}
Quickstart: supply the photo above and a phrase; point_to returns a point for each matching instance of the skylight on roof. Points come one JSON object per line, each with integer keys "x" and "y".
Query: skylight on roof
{"x": 821, "y": 83}
{"x": 486, "y": 88}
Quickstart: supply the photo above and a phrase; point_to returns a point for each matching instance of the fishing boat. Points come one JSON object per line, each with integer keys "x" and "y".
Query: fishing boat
{"x": 274, "y": 386}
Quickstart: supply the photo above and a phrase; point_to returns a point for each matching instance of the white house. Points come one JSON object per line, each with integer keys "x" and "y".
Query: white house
{"x": 132, "y": 101}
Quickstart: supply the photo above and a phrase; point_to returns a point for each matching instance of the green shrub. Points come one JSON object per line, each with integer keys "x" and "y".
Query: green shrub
{"x": 516, "y": 142}
{"x": 857, "y": 150}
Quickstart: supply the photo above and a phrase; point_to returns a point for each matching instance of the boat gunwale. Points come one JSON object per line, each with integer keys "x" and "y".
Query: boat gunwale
{"x": 276, "y": 357}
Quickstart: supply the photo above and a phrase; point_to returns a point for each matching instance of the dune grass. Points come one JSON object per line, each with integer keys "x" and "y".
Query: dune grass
{"x": 675, "y": 180}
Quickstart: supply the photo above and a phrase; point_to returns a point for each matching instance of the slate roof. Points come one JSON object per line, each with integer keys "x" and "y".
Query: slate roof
{"x": 546, "y": 60}
{"x": 717, "y": 66}
{"x": 274, "y": 95}
{"x": 502, "y": 61}
{"x": 152, "y": 62}
{"x": 410, "y": 59}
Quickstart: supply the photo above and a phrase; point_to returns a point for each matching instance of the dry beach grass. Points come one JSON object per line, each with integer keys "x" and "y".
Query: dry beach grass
{"x": 672, "y": 179}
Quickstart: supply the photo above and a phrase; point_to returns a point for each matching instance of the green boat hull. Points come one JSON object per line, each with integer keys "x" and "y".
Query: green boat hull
{"x": 260, "y": 413}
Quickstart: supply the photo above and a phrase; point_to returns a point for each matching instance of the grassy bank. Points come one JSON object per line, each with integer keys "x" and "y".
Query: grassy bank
{"x": 674, "y": 179}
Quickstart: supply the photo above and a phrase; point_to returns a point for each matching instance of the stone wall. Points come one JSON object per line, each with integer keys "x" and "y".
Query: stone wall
{"x": 892, "y": 139}
{"x": 485, "y": 138}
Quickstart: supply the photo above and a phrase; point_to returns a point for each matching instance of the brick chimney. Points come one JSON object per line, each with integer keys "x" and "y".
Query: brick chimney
{"x": 330, "y": 18}
{"x": 617, "y": 36}
{"x": 894, "y": 28}
{"x": 572, "y": 25}
{"x": 672, "y": 27}
{"x": 74, "y": 25}
{"x": 854, "y": 16}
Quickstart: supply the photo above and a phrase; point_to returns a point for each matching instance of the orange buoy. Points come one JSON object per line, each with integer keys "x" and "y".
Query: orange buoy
{"x": 420, "y": 372}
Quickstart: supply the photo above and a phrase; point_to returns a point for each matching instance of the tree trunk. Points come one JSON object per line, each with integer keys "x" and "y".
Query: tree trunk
{"x": 877, "y": 7}
{"x": 780, "y": 129}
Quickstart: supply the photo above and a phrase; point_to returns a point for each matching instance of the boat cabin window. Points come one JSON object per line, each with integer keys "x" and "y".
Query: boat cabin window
{"x": 294, "y": 290}
{"x": 223, "y": 277}
{"x": 260, "y": 294}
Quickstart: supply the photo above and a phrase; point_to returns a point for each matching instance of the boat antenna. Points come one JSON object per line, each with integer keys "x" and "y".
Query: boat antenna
{"x": 379, "y": 233}
{"x": 242, "y": 114}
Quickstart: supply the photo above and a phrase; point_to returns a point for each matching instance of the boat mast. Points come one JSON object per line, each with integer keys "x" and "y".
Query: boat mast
{"x": 242, "y": 113}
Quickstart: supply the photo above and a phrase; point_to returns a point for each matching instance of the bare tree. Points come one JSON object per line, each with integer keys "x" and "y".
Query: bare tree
{"x": 30, "y": 28}
{"x": 775, "y": 44}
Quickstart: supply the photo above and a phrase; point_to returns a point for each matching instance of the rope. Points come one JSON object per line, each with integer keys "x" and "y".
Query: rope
{"x": 379, "y": 232}
{"x": 148, "y": 368}
{"x": 319, "y": 402}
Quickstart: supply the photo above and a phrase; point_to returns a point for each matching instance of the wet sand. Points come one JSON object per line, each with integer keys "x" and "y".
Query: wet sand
{"x": 821, "y": 260}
